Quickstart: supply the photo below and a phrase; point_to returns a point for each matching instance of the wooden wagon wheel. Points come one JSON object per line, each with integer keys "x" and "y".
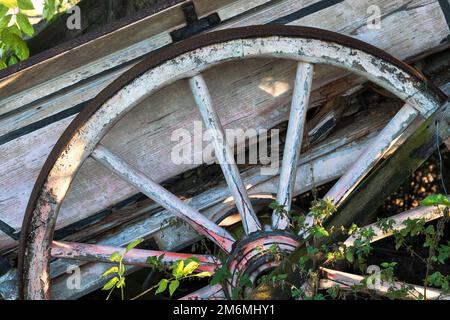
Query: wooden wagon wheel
{"x": 188, "y": 59}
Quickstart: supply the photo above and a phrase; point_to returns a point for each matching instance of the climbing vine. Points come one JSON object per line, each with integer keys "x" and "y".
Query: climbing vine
{"x": 320, "y": 254}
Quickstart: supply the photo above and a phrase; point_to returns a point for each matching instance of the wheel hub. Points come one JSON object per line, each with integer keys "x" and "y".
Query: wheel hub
{"x": 255, "y": 256}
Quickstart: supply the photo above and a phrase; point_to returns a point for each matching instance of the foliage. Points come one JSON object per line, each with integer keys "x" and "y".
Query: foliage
{"x": 320, "y": 253}
{"x": 179, "y": 270}
{"x": 118, "y": 281}
{"x": 15, "y": 25}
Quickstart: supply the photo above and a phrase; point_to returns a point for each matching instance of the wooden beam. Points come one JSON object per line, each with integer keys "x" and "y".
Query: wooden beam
{"x": 347, "y": 281}
{"x": 134, "y": 257}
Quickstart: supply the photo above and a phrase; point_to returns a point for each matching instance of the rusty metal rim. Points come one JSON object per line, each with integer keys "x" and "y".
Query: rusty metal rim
{"x": 160, "y": 56}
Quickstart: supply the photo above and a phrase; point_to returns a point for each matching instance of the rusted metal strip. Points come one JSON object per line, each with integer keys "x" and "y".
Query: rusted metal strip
{"x": 134, "y": 257}
{"x": 9, "y": 231}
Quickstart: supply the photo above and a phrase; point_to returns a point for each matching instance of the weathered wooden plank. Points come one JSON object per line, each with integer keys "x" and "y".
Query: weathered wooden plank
{"x": 346, "y": 280}
{"x": 8, "y": 198}
{"x": 135, "y": 257}
{"x": 146, "y": 132}
{"x": 110, "y": 50}
{"x": 427, "y": 213}
{"x": 429, "y": 12}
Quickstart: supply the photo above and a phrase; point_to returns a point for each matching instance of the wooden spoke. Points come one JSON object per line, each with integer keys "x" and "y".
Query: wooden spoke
{"x": 165, "y": 198}
{"x": 375, "y": 152}
{"x": 224, "y": 154}
{"x": 426, "y": 213}
{"x": 134, "y": 257}
{"x": 333, "y": 278}
{"x": 212, "y": 292}
{"x": 294, "y": 135}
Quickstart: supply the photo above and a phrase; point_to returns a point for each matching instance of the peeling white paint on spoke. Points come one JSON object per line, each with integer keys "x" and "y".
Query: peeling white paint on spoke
{"x": 224, "y": 154}
{"x": 426, "y": 213}
{"x": 374, "y": 153}
{"x": 294, "y": 135}
{"x": 165, "y": 198}
{"x": 371, "y": 156}
{"x": 134, "y": 257}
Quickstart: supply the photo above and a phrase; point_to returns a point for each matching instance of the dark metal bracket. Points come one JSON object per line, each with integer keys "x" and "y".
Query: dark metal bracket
{"x": 194, "y": 25}
{"x": 8, "y": 230}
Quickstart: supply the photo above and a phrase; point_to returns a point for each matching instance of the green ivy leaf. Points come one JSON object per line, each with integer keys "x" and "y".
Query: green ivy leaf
{"x": 110, "y": 284}
{"x": 12, "y": 60}
{"x": 25, "y": 4}
{"x": 24, "y": 24}
{"x": 349, "y": 256}
{"x": 9, "y": 3}
{"x": 190, "y": 268}
{"x": 134, "y": 244}
{"x": 174, "y": 284}
{"x": 3, "y": 64}
{"x": 443, "y": 253}
{"x": 110, "y": 271}
{"x": 302, "y": 261}
{"x": 4, "y": 22}
{"x": 115, "y": 257}
{"x": 3, "y": 10}
{"x": 204, "y": 274}
{"x": 49, "y": 10}
{"x": 434, "y": 200}
{"x": 178, "y": 269}
{"x": 15, "y": 43}
{"x": 162, "y": 286}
